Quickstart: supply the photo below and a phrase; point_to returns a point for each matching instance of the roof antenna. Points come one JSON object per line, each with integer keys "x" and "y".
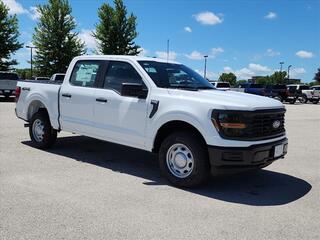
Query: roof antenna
{"x": 168, "y": 50}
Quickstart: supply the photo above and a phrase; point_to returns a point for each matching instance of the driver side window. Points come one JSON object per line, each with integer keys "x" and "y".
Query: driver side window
{"x": 120, "y": 72}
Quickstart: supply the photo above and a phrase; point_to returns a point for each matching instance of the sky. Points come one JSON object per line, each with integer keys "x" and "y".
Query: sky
{"x": 246, "y": 37}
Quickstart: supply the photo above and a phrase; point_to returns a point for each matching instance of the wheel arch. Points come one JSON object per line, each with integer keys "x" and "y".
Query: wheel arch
{"x": 174, "y": 126}
{"x": 34, "y": 107}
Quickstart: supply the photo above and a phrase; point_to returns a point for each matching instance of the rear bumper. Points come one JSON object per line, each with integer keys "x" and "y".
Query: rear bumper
{"x": 255, "y": 156}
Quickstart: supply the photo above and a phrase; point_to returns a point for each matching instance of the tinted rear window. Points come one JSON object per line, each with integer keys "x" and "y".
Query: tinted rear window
{"x": 223, "y": 85}
{"x": 9, "y": 76}
{"x": 59, "y": 77}
{"x": 304, "y": 87}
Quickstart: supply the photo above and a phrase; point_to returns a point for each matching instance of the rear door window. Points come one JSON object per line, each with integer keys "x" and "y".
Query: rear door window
{"x": 85, "y": 73}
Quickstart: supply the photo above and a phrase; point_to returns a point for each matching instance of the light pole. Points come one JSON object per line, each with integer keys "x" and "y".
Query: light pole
{"x": 281, "y": 63}
{"x": 31, "y": 48}
{"x": 289, "y": 71}
{"x": 205, "y": 66}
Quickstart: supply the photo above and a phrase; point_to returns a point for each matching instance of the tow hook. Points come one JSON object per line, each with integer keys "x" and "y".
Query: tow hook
{"x": 26, "y": 125}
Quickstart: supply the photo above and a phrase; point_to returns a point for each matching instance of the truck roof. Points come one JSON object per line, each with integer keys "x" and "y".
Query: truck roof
{"x": 124, "y": 57}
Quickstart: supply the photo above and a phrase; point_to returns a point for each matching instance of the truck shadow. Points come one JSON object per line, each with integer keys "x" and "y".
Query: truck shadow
{"x": 263, "y": 188}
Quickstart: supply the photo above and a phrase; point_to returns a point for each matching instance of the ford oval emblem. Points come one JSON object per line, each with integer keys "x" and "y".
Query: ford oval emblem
{"x": 276, "y": 124}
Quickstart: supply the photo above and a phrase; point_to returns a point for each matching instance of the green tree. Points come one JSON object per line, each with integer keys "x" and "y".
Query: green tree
{"x": 228, "y": 77}
{"x": 55, "y": 40}
{"x": 9, "y": 34}
{"x": 278, "y": 77}
{"x": 317, "y": 76}
{"x": 116, "y": 30}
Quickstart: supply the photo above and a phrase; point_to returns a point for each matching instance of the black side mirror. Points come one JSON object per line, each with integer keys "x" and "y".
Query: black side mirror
{"x": 134, "y": 90}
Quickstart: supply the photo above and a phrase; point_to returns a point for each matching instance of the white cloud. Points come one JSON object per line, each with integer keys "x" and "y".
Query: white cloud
{"x": 14, "y": 7}
{"x": 34, "y": 13}
{"x": 208, "y": 18}
{"x": 143, "y": 52}
{"x": 86, "y": 36}
{"x": 271, "y": 15}
{"x": 227, "y": 69}
{"x": 295, "y": 72}
{"x": 163, "y": 55}
{"x": 247, "y": 72}
{"x": 210, "y": 75}
{"x": 188, "y": 29}
{"x": 304, "y": 54}
{"x": 258, "y": 68}
{"x": 272, "y": 53}
{"x": 195, "y": 55}
{"x": 216, "y": 51}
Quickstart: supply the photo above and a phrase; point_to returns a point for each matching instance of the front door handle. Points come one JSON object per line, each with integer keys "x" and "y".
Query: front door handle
{"x": 103, "y": 100}
{"x": 66, "y": 95}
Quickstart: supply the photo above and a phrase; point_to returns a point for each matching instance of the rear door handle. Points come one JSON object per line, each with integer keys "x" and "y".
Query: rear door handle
{"x": 66, "y": 95}
{"x": 103, "y": 100}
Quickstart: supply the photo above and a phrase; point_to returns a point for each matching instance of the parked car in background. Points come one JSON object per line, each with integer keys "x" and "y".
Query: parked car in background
{"x": 159, "y": 106}
{"x": 57, "y": 77}
{"x": 221, "y": 85}
{"x": 306, "y": 94}
{"x": 8, "y": 83}
{"x": 252, "y": 88}
{"x": 315, "y": 87}
{"x": 280, "y": 92}
{"x": 42, "y": 79}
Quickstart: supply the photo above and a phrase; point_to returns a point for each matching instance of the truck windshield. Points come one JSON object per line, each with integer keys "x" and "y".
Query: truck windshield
{"x": 169, "y": 75}
{"x": 8, "y": 76}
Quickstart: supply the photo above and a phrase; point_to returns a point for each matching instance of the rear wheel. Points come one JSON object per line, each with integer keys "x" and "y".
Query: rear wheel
{"x": 316, "y": 101}
{"x": 293, "y": 101}
{"x": 40, "y": 130}
{"x": 303, "y": 99}
{"x": 183, "y": 159}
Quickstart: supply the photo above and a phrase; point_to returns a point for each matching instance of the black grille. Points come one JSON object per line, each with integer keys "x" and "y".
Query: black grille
{"x": 260, "y": 124}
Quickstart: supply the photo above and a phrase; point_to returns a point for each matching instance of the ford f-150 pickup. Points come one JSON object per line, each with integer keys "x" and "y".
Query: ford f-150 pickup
{"x": 158, "y": 106}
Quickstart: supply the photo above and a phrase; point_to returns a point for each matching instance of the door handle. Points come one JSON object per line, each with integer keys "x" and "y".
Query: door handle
{"x": 103, "y": 100}
{"x": 66, "y": 95}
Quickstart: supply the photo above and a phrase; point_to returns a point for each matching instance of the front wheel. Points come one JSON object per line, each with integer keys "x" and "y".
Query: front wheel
{"x": 183, "y": 159}
{"x": 316, "y": 101}
{"x": 40, "y": 130}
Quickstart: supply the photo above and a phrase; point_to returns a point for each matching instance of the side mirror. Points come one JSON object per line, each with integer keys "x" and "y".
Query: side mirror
{"x": 134, "y": 90}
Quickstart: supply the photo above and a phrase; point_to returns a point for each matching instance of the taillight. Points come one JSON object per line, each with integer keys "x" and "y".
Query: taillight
{"x": 17, "y": 93}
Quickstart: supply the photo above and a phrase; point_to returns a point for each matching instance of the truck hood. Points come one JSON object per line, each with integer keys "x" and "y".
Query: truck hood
{"x": 229, "y": 100}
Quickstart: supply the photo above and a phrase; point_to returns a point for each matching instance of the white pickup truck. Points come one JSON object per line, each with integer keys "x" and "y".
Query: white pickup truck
{"x": 306, "y": 93}
{"x": 158, "y": 106}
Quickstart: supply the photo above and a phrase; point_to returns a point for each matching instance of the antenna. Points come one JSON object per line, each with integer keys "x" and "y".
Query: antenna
{"x": 168, "y": 41}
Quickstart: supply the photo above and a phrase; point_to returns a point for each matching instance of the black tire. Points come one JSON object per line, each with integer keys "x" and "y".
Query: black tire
{"x": 316, "y": 101}
{"x": 49, "y": 135}
{"x": 293, "y": 101}
{"x": 303, "y": 99}
{"x": 201, "y": 166}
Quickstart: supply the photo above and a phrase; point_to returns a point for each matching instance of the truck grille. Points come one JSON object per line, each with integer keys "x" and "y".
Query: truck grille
{"x": 265, "y": 124}
{"x": 259, "y": 125}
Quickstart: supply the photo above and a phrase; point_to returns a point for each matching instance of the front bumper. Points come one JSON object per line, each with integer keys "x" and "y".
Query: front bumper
{"x": 255, "y": 156}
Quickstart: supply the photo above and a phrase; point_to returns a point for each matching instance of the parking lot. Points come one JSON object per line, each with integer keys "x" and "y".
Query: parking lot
{"x": 84, "y": 188}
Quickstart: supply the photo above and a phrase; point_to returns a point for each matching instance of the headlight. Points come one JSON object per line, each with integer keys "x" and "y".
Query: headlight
{"x": 229, "y": 124}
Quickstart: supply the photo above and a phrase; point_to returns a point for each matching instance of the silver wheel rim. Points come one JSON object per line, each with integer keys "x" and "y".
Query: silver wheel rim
{"x": 180, "y": 160}
{"x": 38, "y": 130}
